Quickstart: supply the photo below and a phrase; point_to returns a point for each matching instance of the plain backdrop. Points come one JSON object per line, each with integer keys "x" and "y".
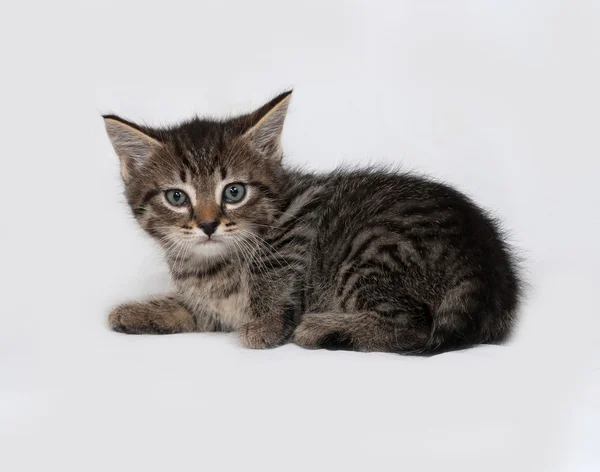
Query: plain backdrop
{"x": 499, "y": 98}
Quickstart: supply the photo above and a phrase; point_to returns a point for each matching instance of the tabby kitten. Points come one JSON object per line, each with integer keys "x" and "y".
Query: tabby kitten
{"x": 366, "y": 260}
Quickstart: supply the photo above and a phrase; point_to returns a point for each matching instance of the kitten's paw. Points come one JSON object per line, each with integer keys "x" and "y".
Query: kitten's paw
{"x": 322, "y": 331}
{"x": 130, "y": 318}
{"x": 264, "y": 334}
{"x": 161, "y": 316}
{"x": 121, "y": 321}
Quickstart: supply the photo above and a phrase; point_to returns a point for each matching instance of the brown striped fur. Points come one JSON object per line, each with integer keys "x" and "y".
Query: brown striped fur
{"x": 368, "y": 260}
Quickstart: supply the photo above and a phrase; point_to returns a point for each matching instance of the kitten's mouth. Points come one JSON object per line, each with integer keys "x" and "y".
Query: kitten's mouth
{"x": 208, "y": 241}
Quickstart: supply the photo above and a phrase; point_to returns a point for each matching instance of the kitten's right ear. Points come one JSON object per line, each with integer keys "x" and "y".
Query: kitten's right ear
{"x": 133, "y": 146}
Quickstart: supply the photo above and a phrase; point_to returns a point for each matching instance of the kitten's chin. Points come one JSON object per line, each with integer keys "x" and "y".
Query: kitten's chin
{"x": 208, "y": 249}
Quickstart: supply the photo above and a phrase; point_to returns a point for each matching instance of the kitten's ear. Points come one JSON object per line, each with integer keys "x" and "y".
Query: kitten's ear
{"x": 133, "y": 146}
{"x": 265, "y": 134}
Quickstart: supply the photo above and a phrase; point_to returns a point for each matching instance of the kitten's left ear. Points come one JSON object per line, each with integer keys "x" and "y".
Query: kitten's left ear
{"x": 133, "y": 146}
{"x": 265, "y": 134}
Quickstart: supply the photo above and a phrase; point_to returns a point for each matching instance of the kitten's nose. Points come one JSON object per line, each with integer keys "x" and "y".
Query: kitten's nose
{"x": 209, "y": 227}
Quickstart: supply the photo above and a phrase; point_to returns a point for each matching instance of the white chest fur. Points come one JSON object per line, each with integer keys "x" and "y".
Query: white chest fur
{"x": 215, "y": 298}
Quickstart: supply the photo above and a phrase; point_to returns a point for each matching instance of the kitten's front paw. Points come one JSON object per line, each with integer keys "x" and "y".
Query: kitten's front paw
{"x": 129, "y": 319}
{"x": 264, "y": 334}
{"x": 309, "y": 332}
{"x": 159, "y": 316}
{"x": 120, "y": 320}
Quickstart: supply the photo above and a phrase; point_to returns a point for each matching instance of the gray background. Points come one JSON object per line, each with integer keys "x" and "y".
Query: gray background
{"x": 499, "y": 98}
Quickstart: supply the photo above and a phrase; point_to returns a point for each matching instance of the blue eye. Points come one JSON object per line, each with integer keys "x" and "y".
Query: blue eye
{"x": 234, "y": 193}
{"x": 176, "y": 197}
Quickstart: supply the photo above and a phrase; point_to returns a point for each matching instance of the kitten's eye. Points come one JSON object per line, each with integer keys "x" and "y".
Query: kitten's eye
{"x": 234, "y": 193}
{"x": 176, "y": 197}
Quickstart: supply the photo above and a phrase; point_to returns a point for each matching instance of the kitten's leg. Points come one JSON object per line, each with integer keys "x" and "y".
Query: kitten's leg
{"x": 265, "y": 333}
{"x": 363, "y": 331}
{"x": 405, "y": 325}
{"x": 273, "y": 307}
{"x": 163, "y": 315}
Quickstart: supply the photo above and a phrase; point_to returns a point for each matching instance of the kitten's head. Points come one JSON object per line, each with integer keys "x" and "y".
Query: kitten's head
{"x": 205, "y": 188}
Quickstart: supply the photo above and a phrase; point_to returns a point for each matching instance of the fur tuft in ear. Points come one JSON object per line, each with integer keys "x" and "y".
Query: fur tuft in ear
{"x": 265, "y": 134}
{"x": 133, "y": 146}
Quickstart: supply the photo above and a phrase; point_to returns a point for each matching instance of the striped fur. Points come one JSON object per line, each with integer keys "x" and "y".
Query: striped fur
{"x": 368, "y": 260}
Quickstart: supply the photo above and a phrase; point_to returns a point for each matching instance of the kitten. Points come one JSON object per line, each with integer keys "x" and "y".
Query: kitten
{"x": 366, "y": 260}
